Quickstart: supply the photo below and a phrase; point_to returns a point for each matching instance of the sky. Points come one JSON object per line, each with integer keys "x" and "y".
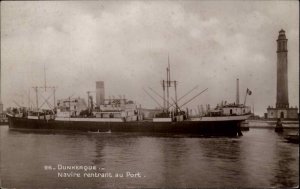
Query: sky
{"x": 126, "y": 44}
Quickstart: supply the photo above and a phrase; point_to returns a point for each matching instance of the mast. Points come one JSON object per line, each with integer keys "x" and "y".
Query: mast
{"x": 237, "y": 92}
{"x": 45, "y": 76}
{"x": 37, "y": 97}
{"x": 175, "y": 84}
{"x": 164, "y": 91}
{"x": 44, "y": 88}
{"x": 168, "y": 82}
{"x": 29, "y": 98}
{"x": 54, "y": 100}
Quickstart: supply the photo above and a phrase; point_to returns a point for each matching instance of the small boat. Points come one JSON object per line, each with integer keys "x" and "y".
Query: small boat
{"x": 279, "y": 128}
{"x": 109, "y": 131}
{"x": 292, "y": 138}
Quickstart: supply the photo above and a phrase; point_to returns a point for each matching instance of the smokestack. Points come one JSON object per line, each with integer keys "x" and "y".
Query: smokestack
{"x": 100, "y": 93}
{"x": 237, "y": 92}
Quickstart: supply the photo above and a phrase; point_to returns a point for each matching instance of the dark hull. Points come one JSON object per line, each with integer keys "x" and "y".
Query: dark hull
{"x": 5, "y": 122}
{"x": 209, "y": 128}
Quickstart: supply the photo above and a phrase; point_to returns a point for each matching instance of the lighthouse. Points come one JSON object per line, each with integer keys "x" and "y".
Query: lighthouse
{"x": 1, "y": 105}
{"x": 282, "y": 100}
{"x": 282, "y": 109}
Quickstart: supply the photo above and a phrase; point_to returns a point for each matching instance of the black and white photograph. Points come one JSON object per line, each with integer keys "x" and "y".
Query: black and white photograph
{"x": 149, "y": 94}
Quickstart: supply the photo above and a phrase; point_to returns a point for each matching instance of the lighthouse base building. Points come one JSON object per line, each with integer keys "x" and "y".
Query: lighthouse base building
{"x": 284, "y": 113}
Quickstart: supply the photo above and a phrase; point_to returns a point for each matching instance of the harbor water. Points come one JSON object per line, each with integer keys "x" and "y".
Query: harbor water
{"x": 44, "y": 159}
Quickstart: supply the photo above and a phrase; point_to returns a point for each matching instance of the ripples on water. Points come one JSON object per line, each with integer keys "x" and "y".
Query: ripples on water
{"x": 261, "y": 158}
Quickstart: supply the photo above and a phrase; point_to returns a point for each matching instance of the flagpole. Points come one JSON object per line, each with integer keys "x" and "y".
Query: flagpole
{"x": 246, "y": 96}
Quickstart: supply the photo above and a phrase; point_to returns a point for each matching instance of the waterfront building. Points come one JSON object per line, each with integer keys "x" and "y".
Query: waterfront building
{"x": 282, "y": 109}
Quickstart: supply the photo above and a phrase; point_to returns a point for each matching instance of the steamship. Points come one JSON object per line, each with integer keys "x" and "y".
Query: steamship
{"x": 122, "y": 115}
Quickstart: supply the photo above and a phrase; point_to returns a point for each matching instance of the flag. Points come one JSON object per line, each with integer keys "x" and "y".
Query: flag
{"x": 249, "y": 92}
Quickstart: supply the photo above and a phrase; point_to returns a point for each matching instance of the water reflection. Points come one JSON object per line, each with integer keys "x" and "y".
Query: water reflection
{"x": 173, "y": 161}
{"x": 283, "y": 171}
{"x": 225, "y": 156}
{"x": 260, "y": 158}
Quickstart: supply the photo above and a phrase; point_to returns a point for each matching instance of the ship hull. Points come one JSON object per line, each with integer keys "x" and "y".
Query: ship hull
{"x": 207, "y": 128}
